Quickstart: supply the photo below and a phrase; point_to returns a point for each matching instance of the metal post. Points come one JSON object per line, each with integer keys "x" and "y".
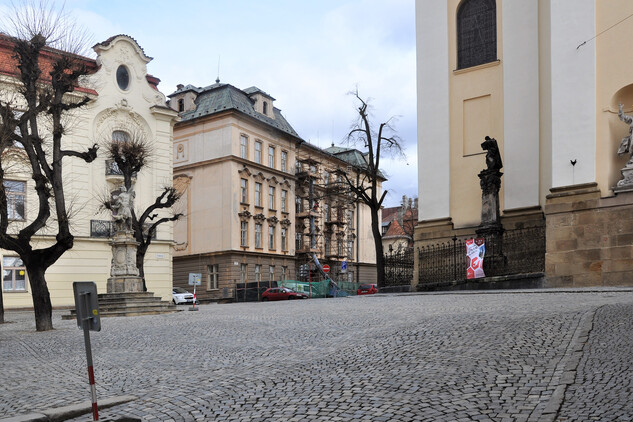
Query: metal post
{"x": 91, "y": 375}
{"x": 454, "y": 258}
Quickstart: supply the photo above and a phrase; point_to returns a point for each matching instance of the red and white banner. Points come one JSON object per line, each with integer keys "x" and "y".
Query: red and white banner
{"x": 475, "y": 250}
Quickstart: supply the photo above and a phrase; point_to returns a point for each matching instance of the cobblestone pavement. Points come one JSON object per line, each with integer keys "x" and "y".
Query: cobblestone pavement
{"x": 503, "y": 356}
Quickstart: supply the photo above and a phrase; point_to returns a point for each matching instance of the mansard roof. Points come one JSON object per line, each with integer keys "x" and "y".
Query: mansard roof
{"x": 221, "y": 97}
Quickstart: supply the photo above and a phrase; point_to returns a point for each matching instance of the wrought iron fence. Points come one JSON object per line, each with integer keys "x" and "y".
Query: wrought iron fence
{"x": 399, "y": 267}
{"x": 515, "y": 252}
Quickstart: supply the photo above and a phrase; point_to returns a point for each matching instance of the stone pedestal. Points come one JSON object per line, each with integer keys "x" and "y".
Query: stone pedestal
{"x": 123, "y": 271}
{"x": 490, "y": 182}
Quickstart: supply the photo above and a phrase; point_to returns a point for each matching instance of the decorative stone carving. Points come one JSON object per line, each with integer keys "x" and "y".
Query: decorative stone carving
{"x": 245, "y": 215}
{"x": 259, "y": 217}
{"x": 273, "y": 220}
{"x": 285, "y": 222}
{"x": 122, "y": 209}
{"x": 626, "y": 146}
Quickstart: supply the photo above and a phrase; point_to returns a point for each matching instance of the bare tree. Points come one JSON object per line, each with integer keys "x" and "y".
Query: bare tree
{"x": 365, "y": 188}
{"x": 33, "y": 122}
{"x": 131, "y": 155}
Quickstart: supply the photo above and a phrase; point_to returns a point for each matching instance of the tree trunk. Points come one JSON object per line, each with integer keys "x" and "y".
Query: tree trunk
{"x": 140, "y": 263}
{"x": 41, "y": 298}
{"x": 380, "y": 255}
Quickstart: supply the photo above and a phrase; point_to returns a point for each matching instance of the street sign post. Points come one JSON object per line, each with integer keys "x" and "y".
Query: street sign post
{"x": 87, "y": 312}
{"x": 195, "y": 279}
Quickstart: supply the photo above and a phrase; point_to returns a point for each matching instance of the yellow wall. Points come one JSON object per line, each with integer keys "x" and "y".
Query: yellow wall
{"x": 476, "y": 110}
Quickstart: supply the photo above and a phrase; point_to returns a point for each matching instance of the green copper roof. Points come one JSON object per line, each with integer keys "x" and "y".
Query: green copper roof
{"x": 219, "y": 97}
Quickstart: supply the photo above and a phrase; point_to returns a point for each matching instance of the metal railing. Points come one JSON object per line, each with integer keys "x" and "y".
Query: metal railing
{"x": 399, "y": 267}
{"x": 514, "y": 252}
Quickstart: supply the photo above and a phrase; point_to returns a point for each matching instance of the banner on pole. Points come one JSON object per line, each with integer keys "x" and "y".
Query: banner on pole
{"x": 475, "y": 250}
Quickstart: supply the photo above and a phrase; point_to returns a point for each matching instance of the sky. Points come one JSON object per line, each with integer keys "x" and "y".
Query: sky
{"x": 307, "y": 54}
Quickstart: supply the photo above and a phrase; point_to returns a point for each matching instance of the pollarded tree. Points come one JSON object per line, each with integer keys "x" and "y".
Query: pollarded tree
{"x": 366, "y": 187}
{"x": 130, "y": 153}
{"x": 33, "y": 124}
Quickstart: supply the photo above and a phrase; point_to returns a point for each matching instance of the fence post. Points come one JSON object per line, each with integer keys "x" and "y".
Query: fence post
{"x": 454, "y": 257}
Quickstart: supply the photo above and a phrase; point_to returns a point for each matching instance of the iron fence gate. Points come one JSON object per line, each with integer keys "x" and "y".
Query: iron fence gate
{"x": 515, "y": 252}
{"x": 399, "y": 268}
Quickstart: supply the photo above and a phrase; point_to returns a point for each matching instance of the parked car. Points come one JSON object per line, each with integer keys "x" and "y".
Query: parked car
{"x": 367, "y": 289}
{"x": 282, "y": 293}
{"x": 180, "y": 295}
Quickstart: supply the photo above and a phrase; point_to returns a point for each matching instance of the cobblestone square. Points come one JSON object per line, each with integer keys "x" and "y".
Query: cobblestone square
{"x": 496, "y": 356}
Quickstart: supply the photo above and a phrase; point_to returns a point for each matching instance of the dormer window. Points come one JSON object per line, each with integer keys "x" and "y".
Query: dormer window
{"x": 181, "y": 105}
{"x": 266, "y": 107}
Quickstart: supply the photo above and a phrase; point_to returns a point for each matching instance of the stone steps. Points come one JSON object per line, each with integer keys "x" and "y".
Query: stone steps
{"x": 130, "y": 304}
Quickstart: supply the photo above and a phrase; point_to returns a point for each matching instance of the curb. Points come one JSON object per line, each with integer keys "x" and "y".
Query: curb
{"x": 56, "y": 414}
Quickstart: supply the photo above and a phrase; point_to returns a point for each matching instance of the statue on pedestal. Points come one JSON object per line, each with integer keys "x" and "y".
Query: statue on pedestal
{"x": 490, "y": 181}
{"x": 124, "y": 274}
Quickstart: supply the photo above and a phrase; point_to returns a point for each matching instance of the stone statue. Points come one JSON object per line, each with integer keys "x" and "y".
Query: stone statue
{"x": 625, "y": 144}
{"x": 122, "y": 209}
{"x": 493, "y": 158}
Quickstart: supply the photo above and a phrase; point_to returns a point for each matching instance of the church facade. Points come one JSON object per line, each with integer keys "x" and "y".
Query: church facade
{"x": 545, "y": 79}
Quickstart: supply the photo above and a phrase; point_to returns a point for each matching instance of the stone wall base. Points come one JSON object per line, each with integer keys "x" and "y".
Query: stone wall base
{"x": 589, "y": 238}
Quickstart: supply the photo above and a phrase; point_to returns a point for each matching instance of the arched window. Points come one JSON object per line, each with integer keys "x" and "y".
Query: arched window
{"x": 265, "y": 108}
{"x": 120, "y": 136}
{"x": 476, "y": 33}
{"x": 181, "y": 105}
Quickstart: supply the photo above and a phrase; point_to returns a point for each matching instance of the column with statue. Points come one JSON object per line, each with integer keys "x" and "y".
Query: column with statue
{"x": 124, "y": 275}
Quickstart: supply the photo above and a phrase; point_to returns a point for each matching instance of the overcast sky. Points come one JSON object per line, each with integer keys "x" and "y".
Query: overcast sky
{"x": 307, "y": 54}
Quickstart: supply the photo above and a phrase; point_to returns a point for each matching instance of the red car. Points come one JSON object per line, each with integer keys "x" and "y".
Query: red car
{"x": 367, "y": 289}
{"x": 282, "y": 293}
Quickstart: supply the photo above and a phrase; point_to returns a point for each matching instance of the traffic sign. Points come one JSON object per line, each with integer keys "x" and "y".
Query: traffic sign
{"x": 195, "y": 279}
{"x": 344, "y": 267}
{"x": 326, "y": 268}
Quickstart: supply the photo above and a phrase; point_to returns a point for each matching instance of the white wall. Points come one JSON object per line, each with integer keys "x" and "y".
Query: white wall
{"x": 573, "y": 73}
{"x": 433, "y": 113}
{"x": 521, "y": 103}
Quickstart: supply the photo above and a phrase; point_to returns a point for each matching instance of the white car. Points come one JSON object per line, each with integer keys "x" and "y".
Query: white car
{"x": 180, "y": 295}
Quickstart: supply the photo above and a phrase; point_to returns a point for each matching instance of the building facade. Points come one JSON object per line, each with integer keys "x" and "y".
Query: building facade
{"x": 544, "y": 78}
{"x": 253, "y": 194}
{"x": 123, "y": 98}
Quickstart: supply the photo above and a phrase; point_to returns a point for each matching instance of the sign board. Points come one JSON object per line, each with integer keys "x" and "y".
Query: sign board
{"x": 475, "y": 251}
{"x": 344, "y": 267}
{"x": 87, "y": 305}
{"x": 326, "y": 268}
{"x": 195, "y": 279}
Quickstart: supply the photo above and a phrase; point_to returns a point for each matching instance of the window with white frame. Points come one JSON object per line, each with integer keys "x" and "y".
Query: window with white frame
{"x": 16, "y": 197}
{"x": 284, "y": 161}
{"x": 13, "y": 274}
{"x": 244, "y": 233}
{"x": 350, "y": 219}
{"x": 298, "y": 241}
{"x": 326, "y": 177}
{"x": 243, "y": 146}
{"x": 326, "y": 212}
{"x": 284, "y": 239}
{"x": 271, "y": 237}
{"x": 298, "y": 205}
{"x": 284, "y": 272}
{"x": 258, "y": 194}
{"x": 271, "y": 197}
{"x": 243, "y": 272}
{"x": 258, "y": 273}
{"x": 258, "y": 235}
{"x": 244, "y": 191}
{"x": 271, "y": 272}
{"x": 258, "y": 152}
{"x": 271, "y": 157}
{"x": 284, "y": 200}
{"x": 213, "y": 276}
